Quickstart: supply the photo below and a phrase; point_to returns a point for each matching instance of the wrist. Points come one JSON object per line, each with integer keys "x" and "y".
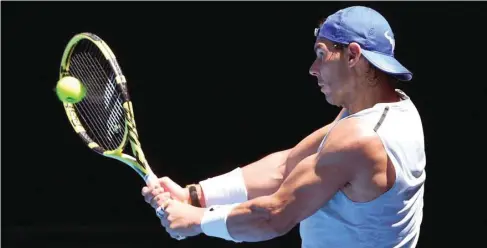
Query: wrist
{"x": 214, "y": 221}
{"x": 195, "y": 195}
{"x": 201, "y": 196}
{"x": 197, "y": 227}
{"x": 228, "y": 188}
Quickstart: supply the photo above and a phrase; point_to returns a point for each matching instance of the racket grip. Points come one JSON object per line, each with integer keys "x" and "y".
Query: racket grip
{"x": 152, "y": 180}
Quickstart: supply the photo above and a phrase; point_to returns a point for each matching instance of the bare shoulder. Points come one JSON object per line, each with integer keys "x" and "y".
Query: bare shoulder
{"x": 353, "y": 146}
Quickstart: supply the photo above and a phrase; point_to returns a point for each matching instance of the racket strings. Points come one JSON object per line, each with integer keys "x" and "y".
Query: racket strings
{"x": 101, "y": 110}
{"x": 108, "y": 125}
{"x": 110, "y": 97}
{"x": 110, "y": 87}
{"x": 95, "y": 120}
{"x": 87, "y": 115}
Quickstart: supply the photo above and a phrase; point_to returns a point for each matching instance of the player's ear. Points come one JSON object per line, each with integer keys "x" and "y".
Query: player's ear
{"x": 354, "y": 53}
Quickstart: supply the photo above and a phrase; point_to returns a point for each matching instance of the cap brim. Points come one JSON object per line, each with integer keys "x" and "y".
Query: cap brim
{"x": 388, "y": 65}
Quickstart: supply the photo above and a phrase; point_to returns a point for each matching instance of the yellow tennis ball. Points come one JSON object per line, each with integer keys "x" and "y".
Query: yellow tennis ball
{"x": 70, "y": 89}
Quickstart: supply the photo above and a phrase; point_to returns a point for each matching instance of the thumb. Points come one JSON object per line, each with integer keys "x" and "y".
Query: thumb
{"x": 176, "y": 191}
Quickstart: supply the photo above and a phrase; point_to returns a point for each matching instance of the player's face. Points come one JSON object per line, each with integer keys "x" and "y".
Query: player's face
{"x": 332, "y": 72}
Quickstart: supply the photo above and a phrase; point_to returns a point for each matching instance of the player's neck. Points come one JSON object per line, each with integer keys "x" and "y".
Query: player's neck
{"x": 371, "y": 96}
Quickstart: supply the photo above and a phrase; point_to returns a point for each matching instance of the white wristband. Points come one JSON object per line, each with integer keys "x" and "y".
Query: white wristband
{"x": 228, "y": 188}
{"x": 214, "y": 221}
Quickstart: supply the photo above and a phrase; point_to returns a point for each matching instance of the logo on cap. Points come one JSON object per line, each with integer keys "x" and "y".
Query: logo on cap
{"x": 390, "y": 39}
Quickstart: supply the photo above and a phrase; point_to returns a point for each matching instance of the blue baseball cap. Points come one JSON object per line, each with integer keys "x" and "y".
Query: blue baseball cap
{"x": 371, "y": 31}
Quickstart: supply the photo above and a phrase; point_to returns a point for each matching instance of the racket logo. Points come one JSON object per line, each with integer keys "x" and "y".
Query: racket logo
{"x": 93, "y": 36}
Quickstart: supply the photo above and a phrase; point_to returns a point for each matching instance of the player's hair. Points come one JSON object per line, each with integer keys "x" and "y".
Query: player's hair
{"x": 373, "y": 76}
{"x": 373, "y": 72}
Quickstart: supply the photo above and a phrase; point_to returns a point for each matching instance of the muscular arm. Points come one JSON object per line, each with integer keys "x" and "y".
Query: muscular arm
{"x": 310, "y": 185}
{"x": 265, "y": 176}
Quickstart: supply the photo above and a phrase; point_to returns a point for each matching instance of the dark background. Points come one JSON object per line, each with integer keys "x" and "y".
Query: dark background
{"x": 243, "y": 67}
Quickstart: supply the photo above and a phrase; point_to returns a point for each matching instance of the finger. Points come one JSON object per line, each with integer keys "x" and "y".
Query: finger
{"x": 164, "y": 222}
{"x": 160, "y": 199}
{"x": 146, "y": 194}
{"x": 148, "y": 197}
{"x": 174, "y": 234}
{"x": 154, "y": 192}
{"x": 176, "y": 190}
{"x": 165, "y": 205}
{"x": 145, "y": 191}
{"x": 149, "y": 193}
{"x": 179, "y": 237}
{"x": 161, "y": 209}
{"x": 157, "y": 191}
{"x": 161, "y": 213}
{"x": 170, "y": 232}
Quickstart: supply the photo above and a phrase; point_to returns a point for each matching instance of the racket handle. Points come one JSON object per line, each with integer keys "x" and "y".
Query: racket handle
{"x": 152, "y": 180}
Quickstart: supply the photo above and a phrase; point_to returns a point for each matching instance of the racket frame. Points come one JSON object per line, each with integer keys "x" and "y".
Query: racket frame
{"x": 137, "y": 162}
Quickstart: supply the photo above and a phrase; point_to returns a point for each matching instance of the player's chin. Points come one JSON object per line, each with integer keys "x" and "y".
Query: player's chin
{"x": 325, "y": 90}
{"x": 329, "y": 98}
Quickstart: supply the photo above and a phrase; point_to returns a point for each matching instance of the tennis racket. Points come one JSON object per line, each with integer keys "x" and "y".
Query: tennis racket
{"x": 104, "y": 119}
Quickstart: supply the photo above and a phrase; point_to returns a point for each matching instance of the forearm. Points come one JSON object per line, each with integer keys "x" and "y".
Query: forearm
{"x": 256, "y": 220}
{"x": 252, "y": 221}
{"x": 259, "y": 178}
{"x": 265, "y": 176}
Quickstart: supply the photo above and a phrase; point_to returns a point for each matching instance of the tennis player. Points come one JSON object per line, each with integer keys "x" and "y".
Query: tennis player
{"x": 356, "y": 182}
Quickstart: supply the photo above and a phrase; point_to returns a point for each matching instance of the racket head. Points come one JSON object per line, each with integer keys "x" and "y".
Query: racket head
{"x": 104, "y": 119}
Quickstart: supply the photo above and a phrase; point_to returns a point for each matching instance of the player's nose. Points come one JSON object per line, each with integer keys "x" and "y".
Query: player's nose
{"x": 313, "y": 70}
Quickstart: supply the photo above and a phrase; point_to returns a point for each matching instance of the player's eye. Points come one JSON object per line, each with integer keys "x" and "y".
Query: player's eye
{"x": 320, "y": 54}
